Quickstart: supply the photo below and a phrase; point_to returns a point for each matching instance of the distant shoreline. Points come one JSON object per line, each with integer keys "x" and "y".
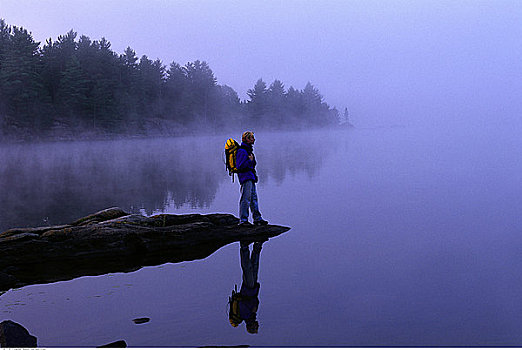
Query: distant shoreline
{"x": 92, "y": 136}
{"x": 75, "y": 86}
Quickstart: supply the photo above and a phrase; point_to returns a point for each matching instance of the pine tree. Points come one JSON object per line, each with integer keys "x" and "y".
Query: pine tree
{"x": 5, "y": 40}
{"x": 73, "y": 91}
{"x": 55, "y": 57}
{"x": 202, "y": 84}
{"x": 129, "y": 58}
{"x": 315, "y": 112}
{"x": 150, "y": 82}
{"x": 294, "y": 105}
{"x": 276, "y": 103}
{"x": 105, "y": 77}
{"x": 128, "y": 87}
{"x": 227, "y": 107}
{"x": 5, "y": 36}
{"x": 176, "y": 86}
{"x": 257, "y": 105}
{"x": 19, "y": 78}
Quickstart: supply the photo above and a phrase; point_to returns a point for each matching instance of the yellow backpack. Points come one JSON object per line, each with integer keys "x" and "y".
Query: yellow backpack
{"x": 231, "y": 147}
{"x": 233, "y": 313}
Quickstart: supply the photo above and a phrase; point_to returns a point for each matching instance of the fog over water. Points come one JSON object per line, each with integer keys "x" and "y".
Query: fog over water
{"x": 403, "y": 236}
{"x": 54, "y": 183}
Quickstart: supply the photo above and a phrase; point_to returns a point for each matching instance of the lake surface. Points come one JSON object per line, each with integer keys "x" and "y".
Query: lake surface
{"x": 400, "y": 237}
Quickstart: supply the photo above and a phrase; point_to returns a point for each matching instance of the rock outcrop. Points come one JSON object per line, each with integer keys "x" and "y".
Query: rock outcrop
{"x": 114, "y": 241}
{"x": 14, "y": 335}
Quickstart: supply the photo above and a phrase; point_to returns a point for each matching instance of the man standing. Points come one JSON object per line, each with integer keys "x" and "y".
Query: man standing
{"x": 246, "y": 165}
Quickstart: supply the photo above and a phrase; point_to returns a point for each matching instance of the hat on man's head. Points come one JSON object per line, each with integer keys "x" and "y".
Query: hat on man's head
{"x": 246, "y": 134}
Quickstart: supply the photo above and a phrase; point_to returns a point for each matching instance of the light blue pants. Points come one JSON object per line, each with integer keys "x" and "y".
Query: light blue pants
{"x": 249, "y": 200}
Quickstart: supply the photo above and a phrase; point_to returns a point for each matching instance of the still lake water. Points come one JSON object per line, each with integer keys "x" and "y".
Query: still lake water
{"x": 400, "y": 237}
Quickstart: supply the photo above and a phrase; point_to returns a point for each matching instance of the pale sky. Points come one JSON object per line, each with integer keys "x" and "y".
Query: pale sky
{"x": 390, "y": 62}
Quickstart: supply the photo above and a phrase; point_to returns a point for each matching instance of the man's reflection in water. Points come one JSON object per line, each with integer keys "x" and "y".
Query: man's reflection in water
{"x": 243, "y": 305}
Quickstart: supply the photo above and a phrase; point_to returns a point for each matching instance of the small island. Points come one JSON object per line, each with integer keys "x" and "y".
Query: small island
{"x": 112, "y": 240}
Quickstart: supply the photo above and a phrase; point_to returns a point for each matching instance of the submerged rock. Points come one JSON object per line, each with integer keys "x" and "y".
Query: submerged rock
{"x": 112, "y": 240}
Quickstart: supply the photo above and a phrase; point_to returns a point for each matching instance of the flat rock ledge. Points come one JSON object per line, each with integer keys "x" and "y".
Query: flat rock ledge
{"x": 112, "y": 240}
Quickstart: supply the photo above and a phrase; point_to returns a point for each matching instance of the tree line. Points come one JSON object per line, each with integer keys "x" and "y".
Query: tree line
{"x": 73, "y": 86}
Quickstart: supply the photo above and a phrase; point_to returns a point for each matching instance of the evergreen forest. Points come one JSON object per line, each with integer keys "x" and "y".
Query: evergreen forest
{"x": 76, "y": 87}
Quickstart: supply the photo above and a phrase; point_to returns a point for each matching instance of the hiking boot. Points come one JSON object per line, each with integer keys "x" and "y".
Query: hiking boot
{"x": 245, "y": 224}
{"x": 261, "y": 222}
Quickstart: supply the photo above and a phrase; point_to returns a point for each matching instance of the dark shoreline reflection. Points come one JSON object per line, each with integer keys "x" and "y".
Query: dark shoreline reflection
{"x": 63, "y": 270}
{"x": 53, "y": 183}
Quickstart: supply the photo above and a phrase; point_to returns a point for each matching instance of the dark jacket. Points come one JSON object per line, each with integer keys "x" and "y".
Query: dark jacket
{"x": 246, "y": 167}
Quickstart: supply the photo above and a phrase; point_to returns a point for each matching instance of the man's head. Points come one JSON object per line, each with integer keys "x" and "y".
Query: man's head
{"x": 248, "y": 137}
{"x": 252, "y": 326}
